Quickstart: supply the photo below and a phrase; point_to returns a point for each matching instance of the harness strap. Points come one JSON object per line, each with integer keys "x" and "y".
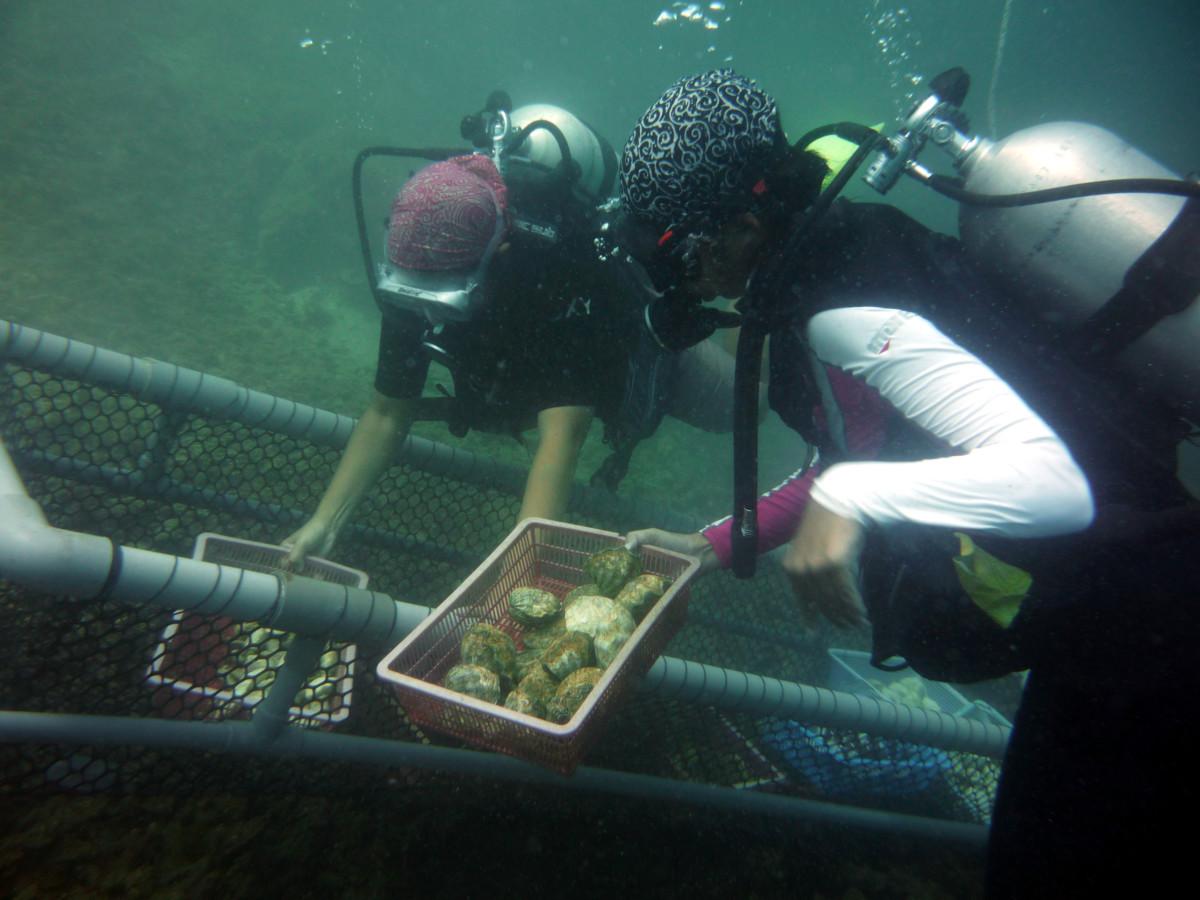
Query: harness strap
{"x": 1163, "y": 281}
{"x": 649, "y": 383}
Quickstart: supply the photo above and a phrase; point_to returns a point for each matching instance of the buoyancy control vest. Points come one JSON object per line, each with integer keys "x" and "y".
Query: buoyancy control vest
{"x": 487, "y": 393}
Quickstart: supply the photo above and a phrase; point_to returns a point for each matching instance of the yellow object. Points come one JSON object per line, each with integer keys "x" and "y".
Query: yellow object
{"x": 836, "y": 152}
{"x": 994, "y": 586}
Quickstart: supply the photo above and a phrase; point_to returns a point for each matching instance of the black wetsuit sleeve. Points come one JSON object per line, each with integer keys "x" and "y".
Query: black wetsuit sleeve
{"x": 402, "y": 366}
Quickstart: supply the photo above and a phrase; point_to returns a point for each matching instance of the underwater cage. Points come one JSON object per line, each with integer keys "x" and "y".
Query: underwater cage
{"x": 135, "y": 657}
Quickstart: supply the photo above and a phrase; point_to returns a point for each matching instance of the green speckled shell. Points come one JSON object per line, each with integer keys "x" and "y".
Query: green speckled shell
{"x": 608, "y": 643}
{"x": 570, "y": 652}
{"x": 611, "y": 568}
{"x": 518, "y": 701}
{"x": 641, "y": 593}
{"x": 584, "y": 590}
{"x": 486, "y": 645}
{"x": 571, "y": 694}
{"x": 540, "y": 638}
{"x": 533, "y": 606}
{"x": 528, "y": 661}
{"x": 593, "y": 614}
{"x": 539, "y": 686}
{"x": 475, "y": 681}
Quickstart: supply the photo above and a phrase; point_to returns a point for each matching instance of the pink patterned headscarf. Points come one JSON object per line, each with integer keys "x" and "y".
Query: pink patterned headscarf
{"x": 445, "y": 216}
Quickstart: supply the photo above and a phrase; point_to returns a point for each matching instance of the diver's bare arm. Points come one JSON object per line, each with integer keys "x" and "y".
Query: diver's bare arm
{"x": 561, "y": 433}
{"x": 371, "y": 449}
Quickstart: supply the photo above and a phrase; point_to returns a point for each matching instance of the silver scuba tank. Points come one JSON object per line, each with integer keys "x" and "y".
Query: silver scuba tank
{"x": 1065, "y": 259}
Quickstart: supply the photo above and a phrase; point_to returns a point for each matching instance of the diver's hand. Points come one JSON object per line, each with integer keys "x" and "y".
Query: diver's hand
{"x": 315, "y": 537}
{"x": 693, "y": 544}
{"x": 822, "y": 563}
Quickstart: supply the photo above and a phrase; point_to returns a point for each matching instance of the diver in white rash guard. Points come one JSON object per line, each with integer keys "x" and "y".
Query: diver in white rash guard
{"x": 949, "y": 433}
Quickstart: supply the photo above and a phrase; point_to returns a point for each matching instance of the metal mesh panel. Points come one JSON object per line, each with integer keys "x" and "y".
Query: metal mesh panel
{"x": 110, "y": 464}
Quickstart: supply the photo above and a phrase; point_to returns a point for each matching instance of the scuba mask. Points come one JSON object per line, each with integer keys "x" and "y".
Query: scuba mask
{"x": 555, "y": 154}
{"x": 438, "y": 296}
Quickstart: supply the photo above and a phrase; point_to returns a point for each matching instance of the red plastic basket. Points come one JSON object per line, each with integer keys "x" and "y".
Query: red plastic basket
{"x": 549, "y": 555}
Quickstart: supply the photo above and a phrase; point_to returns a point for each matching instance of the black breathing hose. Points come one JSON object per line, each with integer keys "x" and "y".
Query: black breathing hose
{"x": 760, "y": 313}
{"x": 364, "y": 240}
{"x": 564, "y": 148}
{"x": 436, "y": 154}
{"x": 952, "y": 188}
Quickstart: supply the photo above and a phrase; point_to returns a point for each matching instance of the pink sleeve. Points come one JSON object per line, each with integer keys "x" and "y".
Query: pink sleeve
{"x": 779, "y": 511}
{"x": 781, "y": 508}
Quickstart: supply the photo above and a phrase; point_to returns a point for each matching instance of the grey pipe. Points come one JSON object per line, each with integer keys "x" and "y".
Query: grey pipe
{"x": 179, "y": 389}
{"x": 224, "y": 737}
{"x": 758, "y": 695}
{"x": 270, "y": 717}
{"x": 302, "y": 606}
{"x": 58, "y": 561}
{"x": 169, "y": 386}
{"x": 137, "y": 484}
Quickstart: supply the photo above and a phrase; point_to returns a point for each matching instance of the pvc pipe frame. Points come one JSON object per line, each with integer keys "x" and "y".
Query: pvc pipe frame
{"x": 63, "y": 562}
{"x": 176, "y": 388}
{"x": 226, "y": 737}
{"x": 57, "y": 561}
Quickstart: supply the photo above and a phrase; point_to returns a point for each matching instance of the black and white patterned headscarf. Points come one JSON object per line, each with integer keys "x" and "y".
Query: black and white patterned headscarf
{"x": 696, "y": 148}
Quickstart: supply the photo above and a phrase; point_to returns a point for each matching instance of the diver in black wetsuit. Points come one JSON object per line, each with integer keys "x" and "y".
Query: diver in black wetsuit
{"x": 497, "y": 278}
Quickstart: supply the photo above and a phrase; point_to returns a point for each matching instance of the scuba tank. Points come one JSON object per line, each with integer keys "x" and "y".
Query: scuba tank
{"x": 539, "y": 155}
{"x": 557, "y": 167}
{"x": 1113, "y": 264}
{"x": 1065, "y": 261}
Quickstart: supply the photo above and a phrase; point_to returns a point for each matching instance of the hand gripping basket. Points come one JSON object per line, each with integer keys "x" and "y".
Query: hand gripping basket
{"x": 549, "y": 555}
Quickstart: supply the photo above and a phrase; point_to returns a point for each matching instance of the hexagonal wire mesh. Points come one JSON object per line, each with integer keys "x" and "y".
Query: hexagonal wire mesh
{"x": 111, "y": 464}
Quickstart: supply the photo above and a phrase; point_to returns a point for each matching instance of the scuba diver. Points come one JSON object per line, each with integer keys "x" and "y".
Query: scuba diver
{"x": 492, "y": 270}
{"x": 989, "y": 492}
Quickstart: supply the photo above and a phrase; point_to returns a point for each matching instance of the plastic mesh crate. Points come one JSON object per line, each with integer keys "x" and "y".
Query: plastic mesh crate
{"x": 851, "y": 670}
{"x": 213, "y": 667}
{"x": 549, "y": 555}
{"x": 846, "y": 765}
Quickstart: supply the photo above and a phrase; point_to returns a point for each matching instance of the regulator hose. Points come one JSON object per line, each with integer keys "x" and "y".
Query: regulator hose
{"x": 952, "y": 188}
{"x": 760, "y": 313}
